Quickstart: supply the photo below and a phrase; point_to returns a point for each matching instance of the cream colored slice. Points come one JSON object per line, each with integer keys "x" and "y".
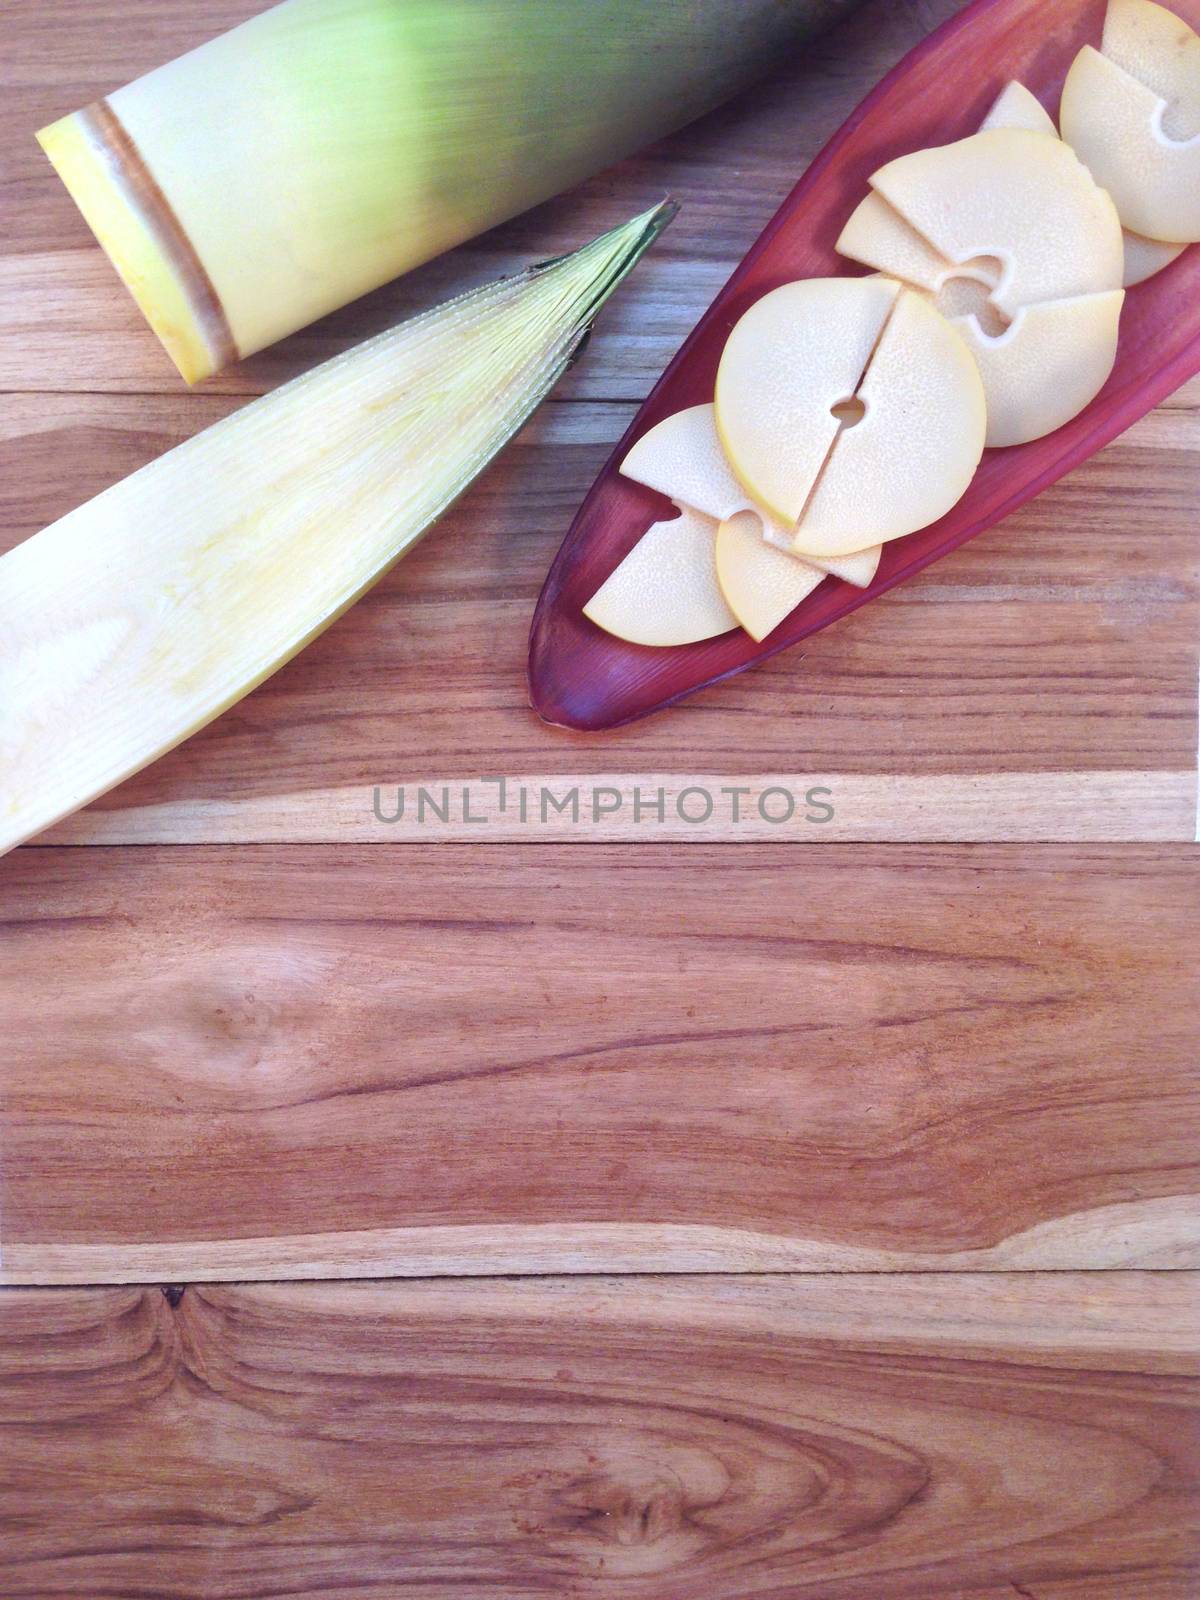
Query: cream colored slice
{"x": 917, "y": 446}
{"x": 1016, "y": 107}
{"x": 1160, "y": 50}
{"x": 1051, "y": 361}
{"x": 1021, "y": 197}
{"x": 1114, "y": 122}
{"x": 878, "y": 236}
{"x": 761, "y": 585}
{"x": 665, "y": 592}
{"x": 1045, "y": 366}
{"x": 681, "y": 457}
{"x": 858, "y": 567}
{"x": 793, "y": 356}
{"x": 1144, "y": 257}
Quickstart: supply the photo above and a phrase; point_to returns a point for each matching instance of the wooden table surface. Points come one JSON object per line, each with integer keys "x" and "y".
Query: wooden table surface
{"x": 748, "y": 1210}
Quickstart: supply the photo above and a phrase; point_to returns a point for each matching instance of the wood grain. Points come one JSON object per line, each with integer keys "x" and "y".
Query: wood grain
{"x": 340, "y": 1059}
{"x": 1062, "y": 645}
{"x": 337, "y": 1061}
{"x": 816, "y": 1439}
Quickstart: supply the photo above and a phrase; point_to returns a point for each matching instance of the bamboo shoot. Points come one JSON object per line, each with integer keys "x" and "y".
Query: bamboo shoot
{"x": 326, "y": 146}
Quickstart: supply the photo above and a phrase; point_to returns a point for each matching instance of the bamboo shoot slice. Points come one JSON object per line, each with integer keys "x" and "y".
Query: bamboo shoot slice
{"x": 1051, "y": 361}
{"x": 857, "y": 567}
{"x": 1116, "y": 124}
{"x": 916, "y": 448}
{"x": 1016, "y": 107}
{"x": 681, "y": 457}
{"x": 136, "y": 619}
{"x": 1144, "y": 257}
{"x": 1054, "y": 356}
{"x": 761, "y": 585}
{"x": 665, "y": 592}
{"x": 791, "y": 358}
{"x": 1021, "y": 197}
{"x": 1159, "y": 49}
{"x": 877, "y": 235}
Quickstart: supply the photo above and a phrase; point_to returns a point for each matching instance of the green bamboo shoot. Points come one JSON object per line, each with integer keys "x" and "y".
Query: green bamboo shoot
{"x": 326, "y": 146}
{"x": 136, "y": 619}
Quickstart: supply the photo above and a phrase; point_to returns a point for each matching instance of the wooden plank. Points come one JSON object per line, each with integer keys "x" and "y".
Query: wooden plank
{"x": 679, "y": 808}
{"x": 318, "y": 1061}
{"x": 1040, "y": 683}
{"x": 820, "y": 1439}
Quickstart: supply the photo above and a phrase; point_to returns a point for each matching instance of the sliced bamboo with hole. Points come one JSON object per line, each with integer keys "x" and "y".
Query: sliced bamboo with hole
{"x": 326, "y": 146}
{"x": 138, "y": 618}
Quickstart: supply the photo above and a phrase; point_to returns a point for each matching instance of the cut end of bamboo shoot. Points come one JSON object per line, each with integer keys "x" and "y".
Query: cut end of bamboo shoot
{"x": 135, "y": 227}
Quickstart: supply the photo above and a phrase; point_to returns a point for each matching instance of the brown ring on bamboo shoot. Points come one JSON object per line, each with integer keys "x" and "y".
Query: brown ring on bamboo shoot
{"x": 103, "y": 125}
